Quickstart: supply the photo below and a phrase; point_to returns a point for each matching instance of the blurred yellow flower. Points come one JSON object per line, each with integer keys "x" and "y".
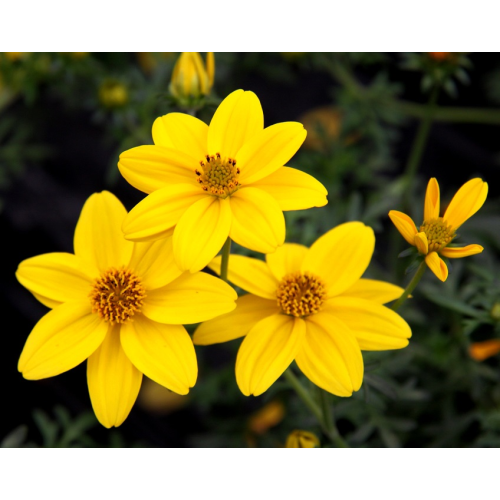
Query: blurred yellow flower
{"x": 190, "y": 78}
{"x": 323, "y": 126}
{"x": 113, "y": 94}
{"x": 157, "y": 399}
{"x": 484, "y": 350}
{"x": 311, "y": 306}
{"x": 211, "y": 182}
{"x": 121, "y": 305}
{"x": 302, "y": 439}
{"x": 148, "y": 61}
{"x": 16, "y": 56}
{"x": 265, "y": 418}
{"x": 436, "y": 233}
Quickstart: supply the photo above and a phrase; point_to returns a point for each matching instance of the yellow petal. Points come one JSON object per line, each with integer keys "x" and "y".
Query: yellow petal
{"x": 238, "y": 118}
{"x": 459, "y": 252}
{"x": 149, "y": 168}
{"x": 405, "y": 225}
{"x": 46, "y": 301}
{"x": 191, "y": 298}
{"x": 302, "y": 439}
{"x": 250, "y": 309}
{"x": 61, "y": 340}
{"x": 293, "y": 189}
{"x": 341, "y": 256}
{"x": 466, "y": 202}
{"x": 182, "y": 132}
{"x": 258, "y": 222}
{"x": 267, "y": 351}
{"x": 210, "y": 68}
{"x": 287, "y": 259}
{"x": 421, "y": 243}
{"x": 330, "y": 356}
{"x": 251, "y": 274}
{"x": 160, "y": 211}
{"x": 375, "y": 326}
{"x": 201, "y": 232}
{"x": 431, "y": 206}
{"x": 380, "y": 292}
{"x": 484, "y": 350}
{"x": 114, "y": 382}
{"x": 58, "y": 277}
{"x": 269, "y": 150}
{"x": 98, "y": 236}
{"x": 437, "y": 265}
{"x": 164, "y": 353}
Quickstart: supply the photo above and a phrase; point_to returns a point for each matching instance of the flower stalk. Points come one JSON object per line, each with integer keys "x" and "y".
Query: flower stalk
{"x": 411, "y": 286}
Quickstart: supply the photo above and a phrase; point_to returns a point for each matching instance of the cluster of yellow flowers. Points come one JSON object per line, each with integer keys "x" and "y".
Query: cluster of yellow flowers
{"x": 121, "y": 300}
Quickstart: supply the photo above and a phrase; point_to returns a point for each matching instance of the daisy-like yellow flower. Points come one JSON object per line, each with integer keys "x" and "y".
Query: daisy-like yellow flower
{"x": 211, "y": 182}
{"x": 121, "y": 305}
{"x": 311, "y": 306}
{"x": 190, "y": 78}
{"x": 302, "y": 439}
{"x": 436, "y": 233}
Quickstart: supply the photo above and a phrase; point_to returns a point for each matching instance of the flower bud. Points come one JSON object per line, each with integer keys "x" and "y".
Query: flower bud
{"x": 190, "y": 78}
{"x": 302, "y": 439}
{"x": 113, "y": 94}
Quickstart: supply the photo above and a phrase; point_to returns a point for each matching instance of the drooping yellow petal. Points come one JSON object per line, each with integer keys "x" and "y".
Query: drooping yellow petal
{"x": 154, "y": 262}
{"x": 432, "y": 200}
{"x": 238, "y": 118}
{"x": 164, "y": 353}
{"x": 160, "y": 211}
{"x": 61, "y": 340}
{"x": 201, "y": 232}
{"x": 341, "y": 256}
{"x": 251, "y": 274}
{"x": 113, "y": 381}
{"x": 287, "y": 259}
{"x": 484, "y": 350}
{"x": 149, "y": 168}
{"x": 437, "y": 265}
{"x": 58, "y": 277}
{"x": 377, "y": 291}
{"x": 421, "y": 243}
{"x": 330, "y": 356}
{"x": 376, "y": 327}
{"x": 46, "y": 301}
{"x": 466, "y": 202}
{"x": 405, "y": 225}
{"x": 191, "y": 298}
{"x": 267, "y": 351}
{"x": 250, "y": 309}
{"x": 258, "y": 222}
{"x": 269, "y": 150}
{"x": 459, "y": 252}
{"x": 293, "y": 189}
{"x": 98, "y": 236}
{"x": 184, "y": 133}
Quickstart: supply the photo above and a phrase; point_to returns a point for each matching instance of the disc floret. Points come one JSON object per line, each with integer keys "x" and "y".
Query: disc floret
{"x": 218, "y": 176}
{"x": 301, "y": 294}
{"x": 439, "y": 233}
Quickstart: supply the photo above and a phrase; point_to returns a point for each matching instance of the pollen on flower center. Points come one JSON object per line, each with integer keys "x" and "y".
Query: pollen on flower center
{"x": 300, "y": 294}
{"x": 218, "y": 176}
{"x": 117, "y": 295}
{"x": 438, "y": 233}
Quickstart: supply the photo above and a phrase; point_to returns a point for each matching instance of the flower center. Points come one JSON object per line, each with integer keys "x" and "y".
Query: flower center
{"x": 438, "y": 233}
{"x": 117, "y": 295}
{"x": 218, "y": 176}
{"x": 300, "y": 294}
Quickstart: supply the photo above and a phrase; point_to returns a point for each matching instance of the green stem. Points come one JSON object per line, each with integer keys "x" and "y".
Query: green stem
{"x": 411, "y": 286}
{"x": 226, "y": 250}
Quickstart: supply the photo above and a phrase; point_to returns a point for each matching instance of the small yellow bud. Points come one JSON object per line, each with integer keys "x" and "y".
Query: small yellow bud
{"x": 113, "y": 94}
{"x": 302, "y": 439}
{"x": 190, "y": 78}
{"x": 495, "y": 311}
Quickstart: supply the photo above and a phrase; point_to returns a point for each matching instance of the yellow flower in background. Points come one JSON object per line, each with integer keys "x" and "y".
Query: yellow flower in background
{"x": 436, "y": 233}
{"x": 121, "y": 305}
{"x": 113, "y": 94}
{"x": 311, "y": 306}
{"x": 211, "y": 182}
{"x": 302, "y": 439}
{"x": 191, "y": 78}
{"x": 268, "y": 416}
{"x": 480, "y": 351}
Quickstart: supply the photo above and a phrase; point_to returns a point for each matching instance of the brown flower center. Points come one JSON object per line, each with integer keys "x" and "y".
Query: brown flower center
{"x": 438, "y": 233}
{"x": 218, "y": 176}
{"x": 301, "y": 294}
{"x": 117, "y": 295}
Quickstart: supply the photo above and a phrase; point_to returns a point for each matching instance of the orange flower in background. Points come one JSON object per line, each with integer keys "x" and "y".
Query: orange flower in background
{"x": 484, "y": 350}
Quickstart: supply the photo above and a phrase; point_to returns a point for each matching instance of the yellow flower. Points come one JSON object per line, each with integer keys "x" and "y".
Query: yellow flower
{"x": 121, "y": 305}
{"x": 309, "y": 305}
{"x": 211, "y": 182}
{"x": 301, "y": 439}
{"x": 436, "y": 233}
{"x": 113, "y": 94}
{"x": 265, "y": 418}
{"x": 190, "y": 78}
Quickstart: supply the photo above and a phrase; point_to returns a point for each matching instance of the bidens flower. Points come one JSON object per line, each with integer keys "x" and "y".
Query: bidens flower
{"x": 190, "y": 78}
{"x": 121, "y": 305}
{"x": 436, "y": 233}
{"x": 309, "y": 305}
{"x": 302, "y": 439}
{"x": 211, "y": 182}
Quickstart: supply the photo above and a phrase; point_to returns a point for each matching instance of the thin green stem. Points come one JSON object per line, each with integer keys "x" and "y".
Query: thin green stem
{"x": 226, "y": 250}
{"x": 411, "y": 286}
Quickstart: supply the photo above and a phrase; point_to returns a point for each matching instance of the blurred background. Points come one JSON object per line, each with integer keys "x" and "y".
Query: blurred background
{"x": 66, "y": 117}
